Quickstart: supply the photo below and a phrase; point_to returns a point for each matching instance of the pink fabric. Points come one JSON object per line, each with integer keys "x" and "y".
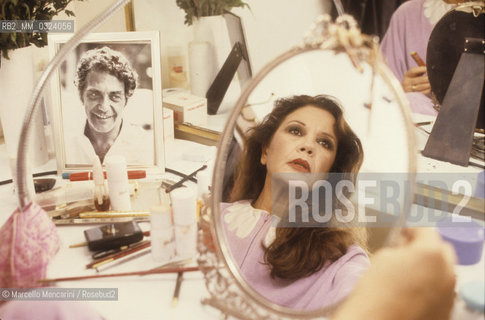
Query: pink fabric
{"x": 330, "y": 285}
{"x": 408, "y": 31}
{"x": 28, "y": 242}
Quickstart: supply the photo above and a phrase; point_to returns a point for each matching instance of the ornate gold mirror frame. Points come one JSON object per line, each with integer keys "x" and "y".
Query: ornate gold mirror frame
{"x": 228, "y": 291}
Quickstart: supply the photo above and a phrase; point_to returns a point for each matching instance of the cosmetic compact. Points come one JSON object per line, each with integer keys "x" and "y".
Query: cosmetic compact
{"x": 113, "y": 235}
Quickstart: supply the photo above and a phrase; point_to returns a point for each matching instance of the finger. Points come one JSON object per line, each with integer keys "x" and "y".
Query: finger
{"x": 427, "y": 91}
{"x": 407, "y": 234}
{"x": 411, "y": 88}
{"x": 424, "y": 235}
{"x": 408, "y": 85}
{"x": 421, "y": 80}
{"x": 425, "y": 87}
{"x": 407, "y": 89}
{"x": 416, "y": 71}
{"x": 422, "y": 87}
{"x": 449, "y": 253}
{"x": 415, "y": 83}
{"x": 430, "y": 238}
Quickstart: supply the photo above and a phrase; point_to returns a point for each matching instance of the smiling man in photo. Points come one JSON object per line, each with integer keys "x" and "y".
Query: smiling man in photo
{"x": 105, "y": 80}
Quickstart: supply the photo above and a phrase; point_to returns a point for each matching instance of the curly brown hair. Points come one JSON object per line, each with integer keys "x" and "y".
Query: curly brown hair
{"x": 300, "y": 252}
{"x": 107, "y": 60}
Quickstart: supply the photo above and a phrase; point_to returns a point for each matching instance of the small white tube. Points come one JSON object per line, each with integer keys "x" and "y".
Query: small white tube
{"x": 186, "y": 240}
{"x": 162, "y": 233}
{"x": 184, "y": 204}
{"x": 101, "y": 200}
{"x": 202, "y": 67}
{"x": 118, "y": 187}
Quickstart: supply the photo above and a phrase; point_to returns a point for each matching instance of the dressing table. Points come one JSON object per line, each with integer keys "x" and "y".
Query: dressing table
{"x": 139, "y": 297}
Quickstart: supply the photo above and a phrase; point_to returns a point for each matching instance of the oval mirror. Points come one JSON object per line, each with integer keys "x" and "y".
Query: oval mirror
{"x": 305, "y": 270}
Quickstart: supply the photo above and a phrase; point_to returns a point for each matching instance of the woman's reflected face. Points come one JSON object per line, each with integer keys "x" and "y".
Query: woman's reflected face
{"x": 304, "y": 142}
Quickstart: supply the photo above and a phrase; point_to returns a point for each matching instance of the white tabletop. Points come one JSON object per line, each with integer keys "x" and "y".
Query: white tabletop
{"x": 139, "y": 297}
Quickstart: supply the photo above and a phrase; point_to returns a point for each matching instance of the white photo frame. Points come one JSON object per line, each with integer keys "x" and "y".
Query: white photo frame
{"x": 140, "y": 135}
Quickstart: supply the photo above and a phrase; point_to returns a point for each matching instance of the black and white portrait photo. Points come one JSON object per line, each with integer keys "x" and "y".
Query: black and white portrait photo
{"x": 109, "y": 102}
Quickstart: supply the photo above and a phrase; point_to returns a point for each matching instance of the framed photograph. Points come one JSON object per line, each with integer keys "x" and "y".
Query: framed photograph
{"x": 106, "y": 100}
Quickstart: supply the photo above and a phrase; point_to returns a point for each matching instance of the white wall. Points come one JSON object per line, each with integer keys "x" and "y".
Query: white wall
{"x": 271, "y": 26}
{"x": 84, "y": 12}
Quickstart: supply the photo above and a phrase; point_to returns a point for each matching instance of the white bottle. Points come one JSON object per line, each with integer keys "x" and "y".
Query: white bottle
{"x": 101, "y": 199}
{"x": 184, "y": 205}
{"x": 162, "y": 233}
{"x": 186, "y": 240}
{"x": 177, "y": 67}
{"x": 202, "y": 67}
{"x": 119, "y": 190}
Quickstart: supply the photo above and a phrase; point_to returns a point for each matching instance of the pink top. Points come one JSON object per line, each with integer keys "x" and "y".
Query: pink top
{"x": 408, "y": 31}
{"x": 247, "y": 228}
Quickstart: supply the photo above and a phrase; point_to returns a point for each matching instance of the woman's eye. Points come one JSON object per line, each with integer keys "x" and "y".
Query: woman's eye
{"x": 295, "y": 131}
{"x": 326, "y": 143}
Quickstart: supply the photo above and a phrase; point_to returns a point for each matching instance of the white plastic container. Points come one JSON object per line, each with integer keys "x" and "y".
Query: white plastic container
{"x": 184, "y": 202}
{"x": 202, "y": 67}
{"x": 184, "y": 205}
{"x": 162, "y": 233}
{"x": 101, "y": 199}
{"x": 187, "y": 107}
{"x": 186, "y": 240}
{"x": 118, "y": 187}
{"x": 177, "y": 65}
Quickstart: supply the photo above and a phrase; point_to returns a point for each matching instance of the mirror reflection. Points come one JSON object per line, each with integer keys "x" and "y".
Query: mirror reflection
{"x": 302, "y": 268}
{"x": 305, "y": 121}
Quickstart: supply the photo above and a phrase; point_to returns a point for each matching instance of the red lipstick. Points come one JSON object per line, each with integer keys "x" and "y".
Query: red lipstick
{"x": 300, "y": 165}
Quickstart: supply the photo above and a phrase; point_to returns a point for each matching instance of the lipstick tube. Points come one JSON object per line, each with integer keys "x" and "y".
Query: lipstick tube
{"x": 83, "y": 176}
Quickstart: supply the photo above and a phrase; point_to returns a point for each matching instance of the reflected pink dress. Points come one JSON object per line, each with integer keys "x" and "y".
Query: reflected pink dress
{"x": 247, "y": 228}
{"x": 409, "y": 30}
